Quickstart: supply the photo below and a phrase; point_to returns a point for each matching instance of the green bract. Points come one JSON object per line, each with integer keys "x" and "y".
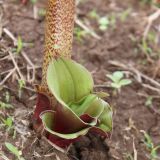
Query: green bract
{"x": 80, "y": 109}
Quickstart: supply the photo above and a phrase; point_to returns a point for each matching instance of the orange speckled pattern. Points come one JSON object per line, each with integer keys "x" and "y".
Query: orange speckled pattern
{"x": 58, "y": 37}
{"x": 59, "y": 31}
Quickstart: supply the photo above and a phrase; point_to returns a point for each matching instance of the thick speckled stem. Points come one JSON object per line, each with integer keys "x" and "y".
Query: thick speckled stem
{"x": 58, "y": 31}
{"x": 58, "y": 43}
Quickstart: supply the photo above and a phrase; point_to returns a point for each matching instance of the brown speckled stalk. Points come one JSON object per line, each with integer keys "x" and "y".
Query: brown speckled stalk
{"x": 59, "y": 31}
{"x": 58, "y": 43}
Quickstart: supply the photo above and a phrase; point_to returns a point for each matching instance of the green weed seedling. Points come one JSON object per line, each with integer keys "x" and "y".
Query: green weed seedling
{"x": 149, "y": 101}
{"x": 8, "y": 123}
{"x": 150, "y": 146}
{"x": 118, "y": 80}
{"x": 19, "y": 45}
{"x": 4, "y": 105}
{"x": 103, "y": 23}
{"x": 41, "y": 12}
{"x": 21, "y": 84}
{"x": 80, "y": 33}
{"x": 113, "y": 19}
{"x": 145, "y": 47}
{"x": 14, "y": 150}
{"x": 148, "y": 2}
{"x": 128, "y": 156}
{"x": 33, "y": 1}
{"x": 125, "y": 14}
{"x": 93, "y": 14}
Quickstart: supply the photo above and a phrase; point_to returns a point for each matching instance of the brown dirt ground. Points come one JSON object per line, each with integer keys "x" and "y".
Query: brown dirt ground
{"x": 115, "y": 44}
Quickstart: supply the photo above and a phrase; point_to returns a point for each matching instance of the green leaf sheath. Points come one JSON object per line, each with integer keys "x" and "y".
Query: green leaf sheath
{"x": 72, "y": 86}
{"x": 68, "y": 81}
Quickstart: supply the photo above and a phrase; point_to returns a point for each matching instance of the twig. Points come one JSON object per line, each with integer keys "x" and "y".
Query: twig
{"x": 30, "y": 89}
{"x": 3, "y": 156}
{"x": 36, "y": 67}
{"x": 35, "y": 11}
{"x": 139, "y": 75}
{"x": 151, "y": 18}
{"x": 16, "y": 66}
{"x": 102, "y": 86}
{"x": 1, "y": 15}
{"x": 151, "y": 88}
{"x": 31, "y": 64}
{"x": 134, "y": 150}
{"x": 8, "y": 71}
{"x": 88, "y": 30}
{"x": 4, "y": 58}
{"x": 137, "y": 72}
{"x": 22, "y": 53}
{"x": 8, "y": 75}
{"x": 10, "y": 35}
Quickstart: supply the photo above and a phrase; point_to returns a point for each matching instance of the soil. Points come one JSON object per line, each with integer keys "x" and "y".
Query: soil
{"x": 131, "y": 115}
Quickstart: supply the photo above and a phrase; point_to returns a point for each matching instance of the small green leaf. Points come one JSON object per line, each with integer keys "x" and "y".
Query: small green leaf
{"x": 5, "y": 105}
{"x": 116, "y": 76}
{"x": 115, "y": 85}
{"x": 13, "y": 149}
{"x": 154, "y": 152}
{"x": 68, "y": 80}
{"x": 125, "y": 14}
{"x": 33, "y": 1}
{"x": 125, "y": 82}
{"x": 9, "y": 122}
{"x": 19, "y": 44}
{"x": 42, "y": 12}
{"x": 105, "y": 119}
{"x": 94, "y": 14}
{"x": 148, "y": 140}
{"x": 117, "y": 80}
{"x": 104, "y": 23}
{"x": 149, "y": 101}
{"x": 102, "y": 94}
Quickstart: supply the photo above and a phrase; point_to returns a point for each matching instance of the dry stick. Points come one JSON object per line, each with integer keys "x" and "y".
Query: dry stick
{"x": 134, "y": 149}
{"x": 4, "y": 58}
{"x": 3, "y": 156}
{"x": 139, "y": 75}
{"x": 35, "y": 11}
{"x": 137, "y": 72}
{"x": 83, "y": 26}
{"x": 102, "y": 86}
{"x": 151, "y": 18}
{"x": 31, "y": 64}
{"x": 151, "y": 88}
{"x": 151, "y": 107}
{"x": 5, "y": 72}
{"x": 88, "y": 30}
{"x": 10, "y": 35}
{"x": 16, "y": 66}
{"x": 1, "y": 15}
{"x": 8, "y": 75}
{"x": 22, "y": 53}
